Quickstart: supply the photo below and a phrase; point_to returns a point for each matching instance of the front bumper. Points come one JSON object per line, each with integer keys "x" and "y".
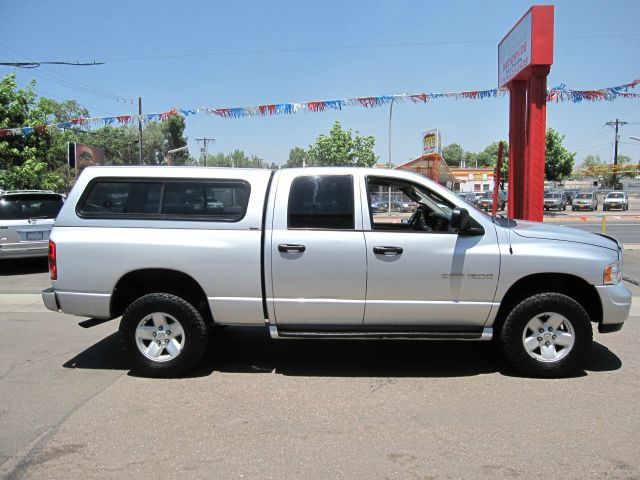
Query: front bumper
{"x": 614, "y": 206}
{"x": 616, "y": 303}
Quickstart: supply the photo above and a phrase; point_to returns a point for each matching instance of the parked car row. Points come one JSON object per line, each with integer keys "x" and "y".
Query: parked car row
{"x": 555, "y": 200}
{"x": 397, "y": 205}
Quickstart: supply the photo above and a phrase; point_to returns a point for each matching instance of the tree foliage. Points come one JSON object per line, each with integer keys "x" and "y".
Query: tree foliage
{"x": 22, "y": 107}
{"x": 31, "y": 175}
{"x": 453, "y": 154}
{"x": 237, "y": 159}
{"x": 297, "y": 158}
{"x": 558, "y": 160}
{"x": 594, "y": 166}
{"x": 342, "y": 148}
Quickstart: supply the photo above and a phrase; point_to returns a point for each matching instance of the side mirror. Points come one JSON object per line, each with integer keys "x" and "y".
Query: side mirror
{"x": 460, "y": 219}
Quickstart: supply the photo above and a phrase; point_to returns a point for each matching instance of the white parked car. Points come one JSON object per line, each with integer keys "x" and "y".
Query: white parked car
{"x": 616, "y": 200}
{"x": 26, "y": 218}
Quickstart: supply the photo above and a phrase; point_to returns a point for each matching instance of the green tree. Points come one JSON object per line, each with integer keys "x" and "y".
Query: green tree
{"x": 558, "y": 160}
{"x": 624, "y": 162}
{"x": 236, "y": 159}
{"x": 16, "y": 106}
{"x": 31, "y": 175}
{"x": 20, "y": 107}
{"x": 173, "y": 129}
{"x": 470, "y": 159}
{"x": 453, "y": 154}
{"x": 594, "y": 166}
{"x": 489, "y": 156}
{"x": 297, "y": 158}
{"x": 342, "y": 148}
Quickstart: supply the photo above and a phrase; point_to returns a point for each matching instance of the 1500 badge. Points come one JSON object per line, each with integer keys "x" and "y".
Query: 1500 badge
{"x": 470, "y": 276}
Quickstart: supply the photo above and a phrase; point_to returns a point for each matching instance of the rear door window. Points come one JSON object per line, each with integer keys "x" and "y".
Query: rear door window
{"x": 323, "y": 202}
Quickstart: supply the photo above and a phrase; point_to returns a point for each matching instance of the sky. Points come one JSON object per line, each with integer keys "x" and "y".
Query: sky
{"x": 220, "y": 54}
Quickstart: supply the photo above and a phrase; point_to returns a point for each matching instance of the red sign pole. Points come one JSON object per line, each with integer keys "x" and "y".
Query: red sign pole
{"x": 525, "y": 56}
{"x": 496, "y": 179}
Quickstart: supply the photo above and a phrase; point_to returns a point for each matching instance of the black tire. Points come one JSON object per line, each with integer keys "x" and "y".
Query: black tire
{"x": 516, "y": 326}
{"x": 194, "y": 338}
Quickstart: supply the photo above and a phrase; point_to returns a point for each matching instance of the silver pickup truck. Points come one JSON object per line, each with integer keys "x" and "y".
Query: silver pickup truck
{"x": 175, "y": 251}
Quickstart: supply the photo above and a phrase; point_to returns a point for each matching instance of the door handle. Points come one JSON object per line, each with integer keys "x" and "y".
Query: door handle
{"x": 387, "y": 250}
{"x": 286, "y": 248}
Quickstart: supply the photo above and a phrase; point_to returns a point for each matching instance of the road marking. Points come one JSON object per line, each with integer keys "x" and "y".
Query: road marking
{"x": 597, "y": 225}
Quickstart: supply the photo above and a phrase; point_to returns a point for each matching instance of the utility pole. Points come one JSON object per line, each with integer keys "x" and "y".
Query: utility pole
{"x": 140, "y": 129}
{"x": 617, "y": 124}
{"x": 203, "y": 149}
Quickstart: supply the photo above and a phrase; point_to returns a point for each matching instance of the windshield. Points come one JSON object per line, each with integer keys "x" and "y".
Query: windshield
{"x": 23, "y": 207}
{"x": 552, "y": 195}
{"x": 615, "y": 195}
{"x": 487, "y": 195}
{"x": 584, "y": 195}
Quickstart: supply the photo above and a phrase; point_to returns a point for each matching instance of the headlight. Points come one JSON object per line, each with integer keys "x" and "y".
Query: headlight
{"x": 612, "y": 274}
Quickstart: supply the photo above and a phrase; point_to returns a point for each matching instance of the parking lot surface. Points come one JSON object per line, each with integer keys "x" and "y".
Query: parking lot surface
{"x": 259, "y": 408}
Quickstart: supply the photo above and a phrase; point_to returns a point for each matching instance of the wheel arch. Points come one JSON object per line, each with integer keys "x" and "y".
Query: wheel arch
{"x": 570, "y": 285}
{"x": 137, "y": 283}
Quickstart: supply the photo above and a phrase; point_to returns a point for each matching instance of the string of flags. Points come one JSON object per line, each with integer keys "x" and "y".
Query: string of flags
{"x": 556, "y": 94}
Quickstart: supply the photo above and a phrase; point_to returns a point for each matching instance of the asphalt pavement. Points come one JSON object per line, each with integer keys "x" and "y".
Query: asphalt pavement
{"x": 259, "y": 408}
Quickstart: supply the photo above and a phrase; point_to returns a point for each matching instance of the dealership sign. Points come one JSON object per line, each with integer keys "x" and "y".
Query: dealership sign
{"x": 514, "y": 52}
{"x": 431, "y": 143}
{"x": 530, "y": 42}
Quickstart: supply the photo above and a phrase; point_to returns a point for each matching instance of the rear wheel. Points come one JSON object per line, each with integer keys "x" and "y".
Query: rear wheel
{"x": 547, "y": 335}
{"x": 163, "y": 335}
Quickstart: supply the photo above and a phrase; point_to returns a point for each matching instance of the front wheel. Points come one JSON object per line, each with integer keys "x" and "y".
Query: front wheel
{"x": 163, "y": 335}
{"x": 547, "y": 335}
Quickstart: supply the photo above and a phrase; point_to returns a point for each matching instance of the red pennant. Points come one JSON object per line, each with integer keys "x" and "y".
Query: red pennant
{"x": 315, "y": 106}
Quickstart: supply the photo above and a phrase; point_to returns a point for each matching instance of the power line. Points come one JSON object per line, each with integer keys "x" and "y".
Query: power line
{"x": 37, "y": 64}
{"x": 349, "y": 47}
{"x": 84, "y": 88}
{"x": 39, "y": 91}
{"x": 592, "y": 146}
